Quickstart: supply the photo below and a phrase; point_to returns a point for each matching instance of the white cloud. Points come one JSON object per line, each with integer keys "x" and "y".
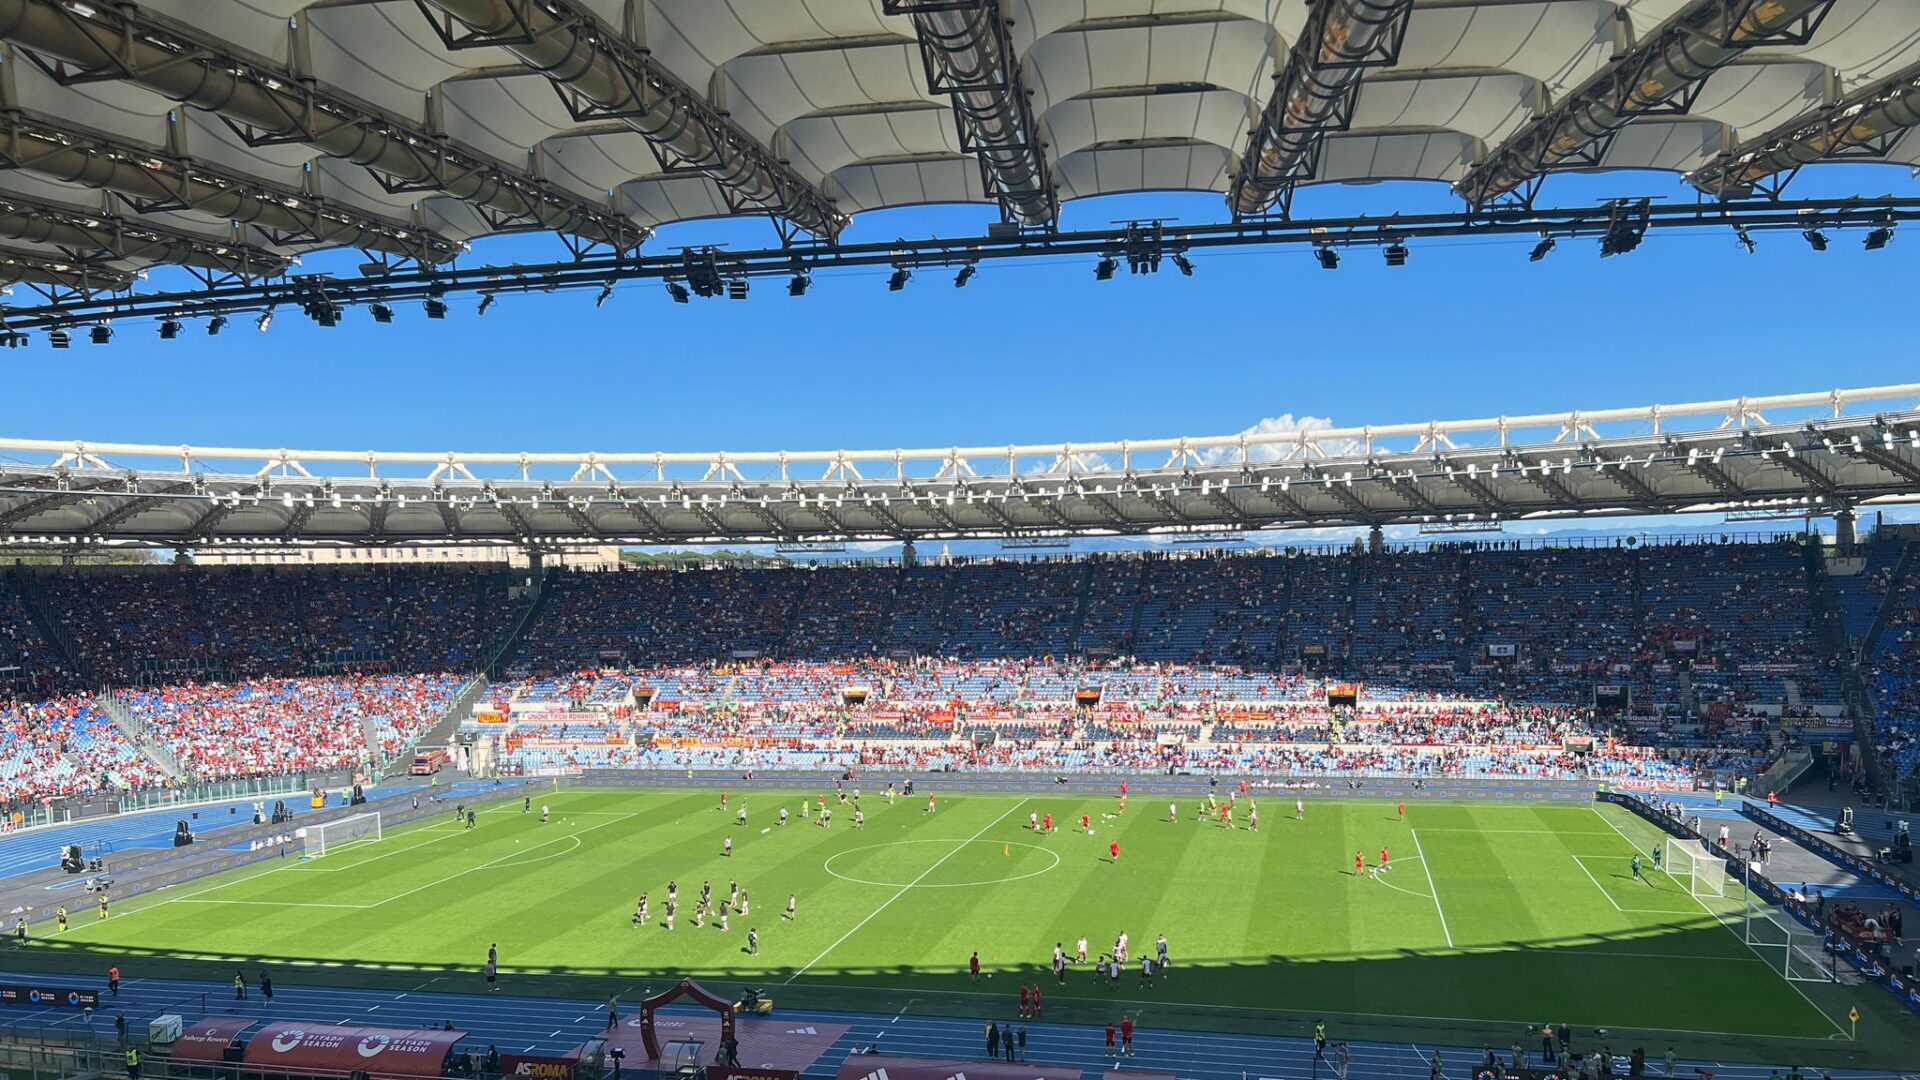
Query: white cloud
{"x": 1283, "y": 425}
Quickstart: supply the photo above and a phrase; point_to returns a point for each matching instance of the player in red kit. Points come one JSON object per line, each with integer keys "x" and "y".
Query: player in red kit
{"x": 1113, "y": 851}
{"x": 1403, "y": 811}
{"x": 1359, "y": 863}
{"x": 1026, "y": 999}
{"x": 1047, "y": 823}
{"x": 1383, "y": 858}
{"x": 1086, "y": 822}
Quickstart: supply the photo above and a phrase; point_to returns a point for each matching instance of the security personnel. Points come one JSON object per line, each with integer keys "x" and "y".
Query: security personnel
{"x": 133, "y": 1064}
{"x": 1320, "y": 1039}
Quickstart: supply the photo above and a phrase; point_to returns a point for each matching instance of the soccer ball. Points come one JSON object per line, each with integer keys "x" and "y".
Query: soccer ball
{"x": 989, "y": 974}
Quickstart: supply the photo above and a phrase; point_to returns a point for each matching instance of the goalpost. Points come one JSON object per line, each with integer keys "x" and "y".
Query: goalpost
{"x": 332, "y": 834}
{"x": 1798, "y": 953}
{"x": 1704, "y": 873}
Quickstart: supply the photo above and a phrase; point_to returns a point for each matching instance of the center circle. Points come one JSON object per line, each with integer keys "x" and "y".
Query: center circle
{"x": 956, "y": 845}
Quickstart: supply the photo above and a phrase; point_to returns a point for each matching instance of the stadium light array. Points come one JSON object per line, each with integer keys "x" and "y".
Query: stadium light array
{"x": 605, "y": 294}
{"x": 215, "y": 325}
{"x": 265, "y": 320}
{"x": 101, "y": 334}
{"x": 965, "y": 275}
{"x": 1744, "y": 238}
{"x": 59, "y": 339}
{"x": 1103, "y": 270}
{"x": 1396, "y": 254}
{"x": 381, "y": 313}
{"x": 169, "y": 329}
{"x": 486, "y": 301}
{"x": 801, "y": 279}
{"x": 1620, "y": 225}
{"x": 1185, "y": 264}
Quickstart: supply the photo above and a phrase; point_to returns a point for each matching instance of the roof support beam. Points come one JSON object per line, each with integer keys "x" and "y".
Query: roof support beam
{"x": 61, "y": 273}
{"x": 1899, "y": 467}
{"x": 1229, "y": 509}
{"x": 41, "y": 221}
{"x": 1343, "y": 494}
{"x": 1864, "y": 125}
{"x": 1663, "y": 73}
{"x": 203, "y": 525}
{"x": 1619, "y": 471}
{"x": 521, "y": 524}
{"x": 1481, "y": 494}
{"x": 969, "y": 57}
{"x": 1105, "y": 508}
{"x": 40, "y": 504}
{"x": 931, "y": 504}
{"x": 266, "y": 104}
{"x": 154, "y": 180}
{"x": 601, "y": 75}
{"x": 1315, "y": 95}
{"x": 1410, "y": 491}
{"x": 637, "y": 509}
{"x": 1798, "y": 465}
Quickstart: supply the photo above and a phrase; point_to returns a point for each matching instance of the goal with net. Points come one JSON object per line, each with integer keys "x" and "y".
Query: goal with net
{"x": 1703, "y": 873}
{"x": 1796, "y": 951}
{"x": 327, "y": 836}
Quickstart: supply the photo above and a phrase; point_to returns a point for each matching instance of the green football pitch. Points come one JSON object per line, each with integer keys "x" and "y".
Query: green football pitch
{"x": 1490, "y": 913}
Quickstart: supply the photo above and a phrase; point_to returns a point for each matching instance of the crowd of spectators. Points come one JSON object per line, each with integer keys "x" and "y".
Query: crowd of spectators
{"x": 65, "y": 746}
{"x": 151, "y": 625}
{"x": 275, "y": 726}
{"x": 242, "y": 670}
{"x": 1044, "y": 716}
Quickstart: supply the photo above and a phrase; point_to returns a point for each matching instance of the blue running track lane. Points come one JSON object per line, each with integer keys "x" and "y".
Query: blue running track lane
{"x": 533, "y": 1025}
{"x": 39, "y": 848}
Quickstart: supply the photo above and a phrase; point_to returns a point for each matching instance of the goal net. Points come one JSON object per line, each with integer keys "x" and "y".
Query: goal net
{"x": 1689, "y": 862}
{"x": 323, "y": 838}
{"x": 1797, "y": 952}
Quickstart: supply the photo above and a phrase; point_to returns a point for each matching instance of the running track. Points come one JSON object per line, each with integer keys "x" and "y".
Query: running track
{"x": 38, "y": 848}
{"x": 515, "y": 1024}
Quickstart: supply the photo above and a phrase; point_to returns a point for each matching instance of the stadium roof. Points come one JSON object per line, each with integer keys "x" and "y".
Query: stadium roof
{"x": 1804, "y": 453}
{"x": 230, "y": 135}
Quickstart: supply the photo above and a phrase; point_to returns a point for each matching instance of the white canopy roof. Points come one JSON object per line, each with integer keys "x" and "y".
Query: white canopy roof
{"x": 1126, "y": 95}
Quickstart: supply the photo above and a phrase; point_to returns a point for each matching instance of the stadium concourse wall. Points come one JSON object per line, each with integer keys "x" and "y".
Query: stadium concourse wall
{"x": 1141, "y": 785}
{"x": 1871, "y": 969}
{"x": 136, "y": 875}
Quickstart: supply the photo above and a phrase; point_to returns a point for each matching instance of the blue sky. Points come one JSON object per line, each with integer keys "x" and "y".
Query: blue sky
{"x": 1034, "y": 352}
